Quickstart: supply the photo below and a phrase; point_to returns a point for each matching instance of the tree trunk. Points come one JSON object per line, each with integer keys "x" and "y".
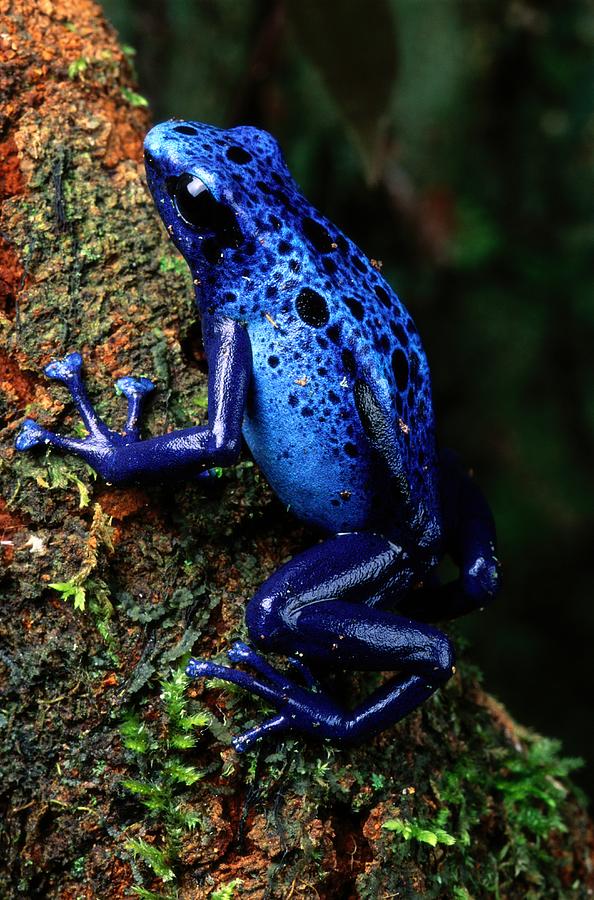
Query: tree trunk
{"x": 105, "y": 592}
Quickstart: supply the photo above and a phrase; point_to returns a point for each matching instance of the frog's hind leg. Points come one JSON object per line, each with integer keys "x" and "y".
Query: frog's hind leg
{"x": 326, "y": 606}
{"x": 470, "y": 539}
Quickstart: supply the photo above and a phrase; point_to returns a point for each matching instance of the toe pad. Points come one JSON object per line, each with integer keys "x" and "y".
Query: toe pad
{"x": 134, "y": 387}
{"x": 64, "y": 369}
{"x": 30, "y": 435}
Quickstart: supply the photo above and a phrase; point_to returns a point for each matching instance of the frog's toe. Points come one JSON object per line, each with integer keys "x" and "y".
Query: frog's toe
{"x": 135, "y": 390}
{"x": 65, "y": 369}
{"x": 30, "y": 435}
{"x": 243, "y": 653}
{"x": 240, "y": 652}
{"x": 482, "y": 579}
{"x": 244, "y": 741}
{"x": 298, "y": 709}
{"x": 274, "y": 692}
{"x": 198, "y": 668}
{"x": 306, "y": 674}
{"x": 132, "y": 387}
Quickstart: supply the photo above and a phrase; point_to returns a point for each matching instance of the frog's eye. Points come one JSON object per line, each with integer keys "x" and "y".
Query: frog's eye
{"x": 194, "y": 201}
{"x": 199, "y": 209}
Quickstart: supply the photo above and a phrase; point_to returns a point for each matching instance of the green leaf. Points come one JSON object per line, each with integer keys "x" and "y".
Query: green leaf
{"x": 144, "y": 788}
{"x": 182, "y": 741}
{"x": 443, "y": 837}
{"x": 427, "y": 837}
{"x": 135, "y": 734}
{"x": 425, "y": 834}
{"x": 173, "y": 695}
{"x": 378, "y": 781}
{"x": 68, "y": 589}
{"x": 133, "y": 98}
{"x": 196, "y": 720}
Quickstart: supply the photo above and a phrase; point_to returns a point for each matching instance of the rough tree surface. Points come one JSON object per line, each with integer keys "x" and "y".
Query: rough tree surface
{"x": 116, "y": 778}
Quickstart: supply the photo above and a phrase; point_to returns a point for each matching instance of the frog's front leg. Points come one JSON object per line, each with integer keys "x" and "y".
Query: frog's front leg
{"x": 327, "y": 606}
{"x": 123, "y": 457}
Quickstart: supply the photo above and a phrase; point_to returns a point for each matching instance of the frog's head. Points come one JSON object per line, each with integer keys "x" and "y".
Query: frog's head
{"x": 216, "y": 191}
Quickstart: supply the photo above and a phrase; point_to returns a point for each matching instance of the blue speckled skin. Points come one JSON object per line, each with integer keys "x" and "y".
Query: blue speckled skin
{"x": 313, "y": 358}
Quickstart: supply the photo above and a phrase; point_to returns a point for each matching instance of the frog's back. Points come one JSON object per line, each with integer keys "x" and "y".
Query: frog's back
{"x": 325, "y": 320}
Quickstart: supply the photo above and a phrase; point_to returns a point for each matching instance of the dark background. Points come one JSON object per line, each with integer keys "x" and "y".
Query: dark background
{"x": 455, "y": 142}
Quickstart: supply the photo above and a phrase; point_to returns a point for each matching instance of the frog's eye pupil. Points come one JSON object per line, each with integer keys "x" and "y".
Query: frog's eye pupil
{"x": 198, "y": 208}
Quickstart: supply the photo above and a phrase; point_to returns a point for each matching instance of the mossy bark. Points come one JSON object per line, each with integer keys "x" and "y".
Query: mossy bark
{"x": 103, "y": 789}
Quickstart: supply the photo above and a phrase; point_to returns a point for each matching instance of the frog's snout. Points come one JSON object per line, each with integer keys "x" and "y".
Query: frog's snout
{"x": 157, "y": 143}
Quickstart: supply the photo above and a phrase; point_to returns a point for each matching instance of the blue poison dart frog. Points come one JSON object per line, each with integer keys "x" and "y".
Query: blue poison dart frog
{"x": 315, "y": 361}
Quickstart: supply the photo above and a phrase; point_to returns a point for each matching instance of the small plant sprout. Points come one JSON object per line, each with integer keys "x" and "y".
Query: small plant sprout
{"x": 163, "y": 775}
{"x": 415, "y": 831}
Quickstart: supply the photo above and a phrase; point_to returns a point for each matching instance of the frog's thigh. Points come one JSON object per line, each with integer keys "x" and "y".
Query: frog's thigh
{"x": 325, "y": 604}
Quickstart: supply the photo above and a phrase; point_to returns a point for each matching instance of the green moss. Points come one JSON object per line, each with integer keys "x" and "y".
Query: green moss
{"x": 173, "y": 264}
{"x": 133, "y": 98}
{"x": 518, "y": 794}
{"x": 226, "y": 891}
{"x": 77, "y": 67}
{"x": 162, "y": 776}
{"x": 70, "y": 590}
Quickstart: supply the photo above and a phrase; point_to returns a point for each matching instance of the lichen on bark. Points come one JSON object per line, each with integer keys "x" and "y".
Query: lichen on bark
{"x": 105, "y": 790}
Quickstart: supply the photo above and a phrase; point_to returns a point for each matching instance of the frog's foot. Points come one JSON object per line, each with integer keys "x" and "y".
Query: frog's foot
{"x": 274, "y": 687}
{"x": 98, "y": 446}
{"x": 242, "y": 653}
{"x": 299, "y": 709}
